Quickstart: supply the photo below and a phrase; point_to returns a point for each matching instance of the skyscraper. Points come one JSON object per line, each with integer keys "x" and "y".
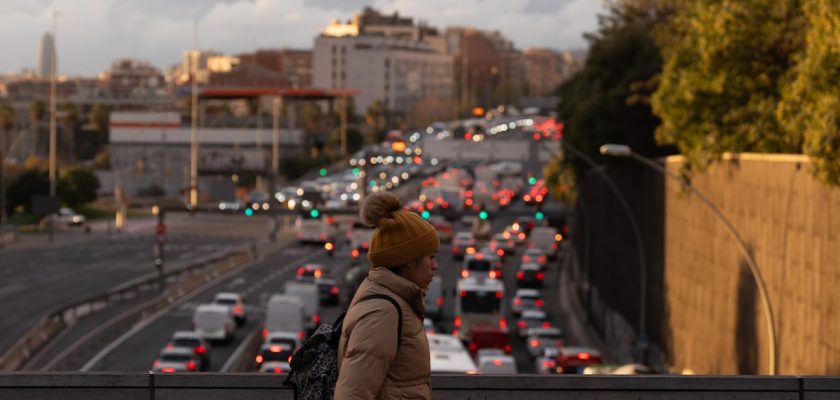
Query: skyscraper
{"x": 45, "y": 56}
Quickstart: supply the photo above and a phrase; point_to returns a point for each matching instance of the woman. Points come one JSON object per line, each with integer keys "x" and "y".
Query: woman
{"x": 372, "y": 362}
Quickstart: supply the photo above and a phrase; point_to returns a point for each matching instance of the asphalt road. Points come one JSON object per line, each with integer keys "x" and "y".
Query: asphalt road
{"x": 38, "y": 279}
{"x": 256, "y": 283}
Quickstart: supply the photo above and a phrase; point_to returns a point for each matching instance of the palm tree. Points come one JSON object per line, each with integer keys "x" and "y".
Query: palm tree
{"x": 69, "y": 121}
{"x": 99, "y": 119}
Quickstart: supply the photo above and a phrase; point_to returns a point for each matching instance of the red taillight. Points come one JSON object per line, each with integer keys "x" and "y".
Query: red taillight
{"x": 275, "y": 348}
{"x": 541, "y": 260}
{"x": 156, "y": 365}
{"x": 456, "y": 250}
{"x": 168, "y": 370}
{"x": 493, "y": 275}
{"x": 465, "y": 274}
{"x": 520, "y": 275}
{"x": 440, "y": 301}
{"x": 264, "y": 333}
{"x": 191, "y": 366}
{"x": 444, "y": 205}
{"x": 463, "y": 293}
{"x": 237, "y": 309}
{"x": 259, "y": 359}
{"x": 526, "y": 259}
{"x": 508, "y": 349}
{"x": 503, "y": 323}
{"x": 199, "y": 350}
{"x": 301, "y": 271}
{"x": 546, "y": 325}
{"x": 539, "y": 303}
{"x": 497, "y": 362}
{"x": 473, "y": 347}
{"x": 279, "y": 370}
{"x": 468, "y": 202}
{"x": 540, "y": 276}
{"x": 584, "y": 356}
{"x": 500, "y": 253}
{"x": 527, "y": 198}
{"x": 521, "y": 324}
{"x": 517, "y": 301}
{"x": 334, "y": 291}
{"x": 535, "y": 343}
{"x": 316, "y": 319}
{"x": 301, "y": 335}
{"x": 521, "y": 235}
{"x": 355, "y": 253}
{"x": 457, "y": 322}
{"x": 549, "y": 364}
{"x": 499, "y": 294}
{"x": 365, "y": 245}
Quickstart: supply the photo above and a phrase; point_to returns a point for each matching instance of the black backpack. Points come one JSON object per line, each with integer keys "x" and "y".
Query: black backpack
{"x": 314, "y": 367}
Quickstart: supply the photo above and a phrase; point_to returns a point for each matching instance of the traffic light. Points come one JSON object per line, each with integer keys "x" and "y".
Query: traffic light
{"x": 539, "y": 216}
{"x": 425, "y": 214}
{"x": 314, "y": 213}
{"x": 322, "y": 172}
{"x": 532, "y": 181}
{"x": 355, "y": 171}
{"x": 249, "y": 212}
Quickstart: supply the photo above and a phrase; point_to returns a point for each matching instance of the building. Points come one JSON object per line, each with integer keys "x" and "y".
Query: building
{"x": 544, "y": 71}
{"x": 132, "y": 78}
{"x": 293, "y": 66}
{"x": 386, "y": 58}
{"x": 47, "y": 57}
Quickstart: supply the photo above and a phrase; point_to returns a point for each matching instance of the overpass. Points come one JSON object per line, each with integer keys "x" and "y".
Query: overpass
{"x": 207, "y": 386}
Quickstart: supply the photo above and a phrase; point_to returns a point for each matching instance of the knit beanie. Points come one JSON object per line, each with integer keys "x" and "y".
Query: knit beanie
{"x": 400, "y": 236}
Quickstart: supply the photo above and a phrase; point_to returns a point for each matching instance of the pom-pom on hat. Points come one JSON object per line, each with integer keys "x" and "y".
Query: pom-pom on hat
{"x": 400, "y": 236}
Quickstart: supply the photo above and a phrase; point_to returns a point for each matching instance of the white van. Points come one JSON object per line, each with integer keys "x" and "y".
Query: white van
{"x": 284, "y": 314}
{"x": 448, "y": 355}
{"x": 434, "y": 299}
{"x": 213, "y": 322}
{"x": 308, "y": 295}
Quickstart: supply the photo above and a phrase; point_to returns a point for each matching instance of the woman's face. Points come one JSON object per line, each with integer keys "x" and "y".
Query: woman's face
{"x": 422, "y": 271}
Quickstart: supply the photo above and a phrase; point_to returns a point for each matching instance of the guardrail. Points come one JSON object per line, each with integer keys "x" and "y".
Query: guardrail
{"x": 56, "y": 321}
{"x": 202, "y": 386}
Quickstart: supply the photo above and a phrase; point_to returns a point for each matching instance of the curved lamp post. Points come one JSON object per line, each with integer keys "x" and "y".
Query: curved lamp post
{"x": 620, "y": 150}
{"x": 642, "y": 338}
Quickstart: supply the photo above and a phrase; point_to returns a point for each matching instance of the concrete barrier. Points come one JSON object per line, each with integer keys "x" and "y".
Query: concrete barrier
{"x": 206, "y": 386}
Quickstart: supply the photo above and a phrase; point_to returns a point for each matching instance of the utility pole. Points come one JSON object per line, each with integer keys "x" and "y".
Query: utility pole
{"x": 276, "y": 106}
{"x": 343, "y": 118}
{"x": 194, "y": 123}
{"x": 52, "y": 123}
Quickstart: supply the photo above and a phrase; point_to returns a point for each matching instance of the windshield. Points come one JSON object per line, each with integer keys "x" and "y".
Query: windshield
{"x": 186, "y": 342}
{"x": 478, "y": 265}
{"x": 176, "y": 358}
{"x": 484, "y": 302}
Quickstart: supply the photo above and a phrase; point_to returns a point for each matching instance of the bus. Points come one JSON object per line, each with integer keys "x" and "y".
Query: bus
{"x": 480, "y": 302}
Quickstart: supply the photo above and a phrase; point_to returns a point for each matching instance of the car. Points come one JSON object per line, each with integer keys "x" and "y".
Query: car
{"x": 526, "y": 298}
{"x": 284, "y": 314}
{"x": 428, "y": 325}
{"x": 486, "y": 337}
{"x": 443, "y": 228}
{"x": 433, "y": 299}
{"x": 540, "y": 339}
{"x": 193, "y": 341}
{"x": 275, "y": 367}
{"x": 480, "y": 266}
{"x": 531, "y": 319}
{"x": 176, "y": 359}
{"x": 214, "y": 322}
{"x": 534, "y": 255}
{"x": 491, "y": 256}
{"x": 517, "y": 236}
{"x": 68, "y": 216}
{"x": 308, "y": 273}
{"x": 497, "y": 365}
{"x": 574, "y": 359}
{"x": 273, "y": 352}
{"x": 282, "y": 341}
{"x": 503, "y": 246}
{"x": 235, "y": 303}
{"x": 524, "y": 224}
{"x": 463, "y": 243}
{"x": 546, "y": 363}
{"x": 328, "y": 291}
{"x": 530, "y": 276}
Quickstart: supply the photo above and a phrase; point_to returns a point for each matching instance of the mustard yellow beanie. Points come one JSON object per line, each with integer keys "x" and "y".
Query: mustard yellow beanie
{"x": 400, "y": 236}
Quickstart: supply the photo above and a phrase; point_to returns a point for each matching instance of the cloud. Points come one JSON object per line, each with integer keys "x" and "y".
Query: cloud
{"x": 92, "y": 33}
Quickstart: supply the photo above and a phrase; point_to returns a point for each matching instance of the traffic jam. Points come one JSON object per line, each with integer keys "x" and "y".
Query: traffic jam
{"x": 491, "y": 309}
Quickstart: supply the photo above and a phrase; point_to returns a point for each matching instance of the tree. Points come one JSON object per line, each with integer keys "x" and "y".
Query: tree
{"x": 811, "y": 102}
{"x": 354, "y": 139}
{"x": 22, "y": 188}
{"x": 37, "y": 110}
{"x": 99, "y": 117}
{"x": 726, "y": 64}
{"x": 77, "y": 186}
{"x": 69, "y": 123}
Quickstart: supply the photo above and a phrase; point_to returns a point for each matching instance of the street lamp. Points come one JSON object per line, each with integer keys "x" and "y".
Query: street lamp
{"x": 642, "y": 337}
{"x": 619, "y": 150}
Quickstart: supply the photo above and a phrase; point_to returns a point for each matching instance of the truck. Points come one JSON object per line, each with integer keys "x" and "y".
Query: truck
{"x": 284, "y": 313}
{"x": 308, "y": 295}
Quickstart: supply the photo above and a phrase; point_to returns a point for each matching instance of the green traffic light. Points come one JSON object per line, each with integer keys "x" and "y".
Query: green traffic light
{"x": 482, "y": 214}
{"x": 372, "y": 183}
{"x": 249, "y": 212}
{"x": 355, "y": 171}
{"x": 425, "y": 214}
{"x": 539, "y": 215}
{"x": 532, "y": 181}
{"x": 323, "y": 172}
{"x": 314, "y": 213}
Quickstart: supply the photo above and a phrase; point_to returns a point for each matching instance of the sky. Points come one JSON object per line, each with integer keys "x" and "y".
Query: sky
{"x": 92, "y": 33}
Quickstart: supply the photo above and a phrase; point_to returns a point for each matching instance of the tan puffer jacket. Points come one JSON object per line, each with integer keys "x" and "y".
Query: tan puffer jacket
{"x": 369, "y": 365}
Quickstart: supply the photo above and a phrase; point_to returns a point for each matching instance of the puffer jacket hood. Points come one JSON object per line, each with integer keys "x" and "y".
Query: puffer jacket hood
{"x": 370, "y": 365}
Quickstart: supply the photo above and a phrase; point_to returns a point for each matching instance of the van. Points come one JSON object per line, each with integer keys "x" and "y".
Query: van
{"x": 546, "y": 239}
{"x": 213, "y": 322}
{"x": 434, "y": 299}
{"x": 284, "y": 314}
{"x": 308, "y": 295}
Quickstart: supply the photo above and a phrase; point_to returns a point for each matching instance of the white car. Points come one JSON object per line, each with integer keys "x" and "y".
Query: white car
{"x": 176, "y": 360}
{"x": 235, "y": 304}
{"x": 192, "y": 341}
{"x": 526, "y": 298}
{"x": 275, "y": 367}
{"x": 531, "y": 319}
{"x": 497, "y": 364}
{"x": 540, "y": 339}
{"x": 70, "y": 217}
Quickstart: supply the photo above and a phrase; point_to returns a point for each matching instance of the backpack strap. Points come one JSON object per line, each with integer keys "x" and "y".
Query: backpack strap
{"x": 396, "y": 305}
